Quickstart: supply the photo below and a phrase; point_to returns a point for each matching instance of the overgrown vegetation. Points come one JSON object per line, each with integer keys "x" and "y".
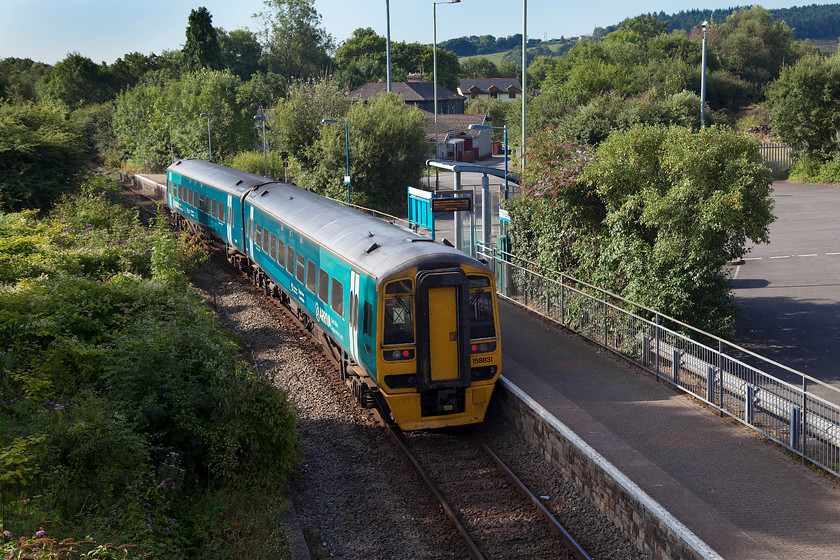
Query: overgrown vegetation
{"x": 128, "y": 414}
{"x": 653, "y": 214}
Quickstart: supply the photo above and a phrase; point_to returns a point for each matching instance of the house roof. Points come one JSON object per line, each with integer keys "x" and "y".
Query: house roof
{"x": 409, "y": 91}
{"x": 489, "y": 85}
{"x": 458, "y": 123}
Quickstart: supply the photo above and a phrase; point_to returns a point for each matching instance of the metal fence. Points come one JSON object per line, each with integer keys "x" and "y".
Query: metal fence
{"x": 796, "y": 411}
{"x": 778, "y": 157}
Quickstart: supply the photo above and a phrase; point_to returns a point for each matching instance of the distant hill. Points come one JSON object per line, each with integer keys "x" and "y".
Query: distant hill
{"x": 816, "y": 22}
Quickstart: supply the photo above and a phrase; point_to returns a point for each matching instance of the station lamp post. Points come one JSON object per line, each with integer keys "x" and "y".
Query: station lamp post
{"x": 209, "y": 141}
{"x": 261, "y": 118}
{"x": 703, "y": 80}
{"x": 434, "y": 66}
{"x": 171, "y": 156}
{"x": 346, "y": 151}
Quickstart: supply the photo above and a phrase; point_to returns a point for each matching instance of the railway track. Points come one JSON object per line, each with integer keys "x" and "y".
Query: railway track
{"x": 492, "y": 511}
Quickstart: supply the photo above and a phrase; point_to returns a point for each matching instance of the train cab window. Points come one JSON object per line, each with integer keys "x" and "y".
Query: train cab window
{"x": 300, "y": 270}
{"x": 482, "y": 322}
{"x": 273, "y": 247}
{"x": 337, "y": 298}
{"x": 311, "y": 276}
{"x": 281, "y": 252}
{"x": 290, "y": 259}
{"x": 258, "y": 236}
{"x": 323, "y": 285}
{"x": 399, "y": 313}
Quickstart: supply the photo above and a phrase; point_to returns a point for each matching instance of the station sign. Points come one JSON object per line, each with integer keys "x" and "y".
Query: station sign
{"x": 452, "y": 204}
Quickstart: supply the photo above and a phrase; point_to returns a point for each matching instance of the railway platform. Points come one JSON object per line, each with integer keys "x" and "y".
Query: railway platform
{"x": 743, "y": 497}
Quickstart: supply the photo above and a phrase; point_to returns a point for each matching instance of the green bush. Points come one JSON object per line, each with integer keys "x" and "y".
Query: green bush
{"x": 126, "y": 405}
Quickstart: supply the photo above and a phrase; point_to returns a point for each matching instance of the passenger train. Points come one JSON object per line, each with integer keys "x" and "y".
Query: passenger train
{"x": 414, "y": 323}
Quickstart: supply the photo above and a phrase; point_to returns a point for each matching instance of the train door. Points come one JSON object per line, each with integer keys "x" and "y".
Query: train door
{"x": 353, "y": 318}
{"x": 229, "y": 217}
{"x": 443, "y": 328}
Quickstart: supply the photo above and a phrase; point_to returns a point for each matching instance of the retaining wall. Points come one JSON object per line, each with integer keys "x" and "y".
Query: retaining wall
{"x": 653, "y": 530}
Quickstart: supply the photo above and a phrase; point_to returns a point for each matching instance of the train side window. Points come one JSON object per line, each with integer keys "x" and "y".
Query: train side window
{"x": 337, "y": 298}
{"x": 264, "y": 243}
{"x": 290, "y": 259}
{"x": 368, "y": 320}
{"x": 281, "y": 252}
{"x": 258, "y": 236}
{"x": 201, "y": 201}
{"x": 214, "y": 208}
{"x": 398, "y": 313}
{"x": 273, "y": 247}
{"x": 221, "y": 213}
{"x": 482, "y": 322}
{"x": 323, "y": 285}
{"x": 311, "y": 276}
{"x": 300, "y": 270}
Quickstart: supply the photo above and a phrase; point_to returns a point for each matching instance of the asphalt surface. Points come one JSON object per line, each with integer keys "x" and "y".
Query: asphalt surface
{"x": 789, "y": 289}
{"x": 745, "y": 498}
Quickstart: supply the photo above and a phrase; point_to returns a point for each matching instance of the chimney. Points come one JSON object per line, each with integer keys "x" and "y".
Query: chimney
{"x": 414, "y": 77}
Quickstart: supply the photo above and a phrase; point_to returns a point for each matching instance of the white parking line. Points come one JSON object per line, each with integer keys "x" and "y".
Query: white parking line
{"x": 832, "y": 254}
{"x": 752, "y": 258}
{"x": 781, "y": 257}
{"x": 811, "y": 255}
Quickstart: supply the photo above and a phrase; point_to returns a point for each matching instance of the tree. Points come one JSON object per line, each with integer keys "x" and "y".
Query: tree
{"x": 202, "y": 48}
{"x": 143, "y": 132}
{"x": 297, "y": 119}
{"x": 241, "y": 51}
{"x": 388, "y": 150}
{"x": 296, "y": 46}
{"x": 479, "y": 67}
{"x": 364, "y": 43}
{"x": 75, "y": 82}
{"x": 18, "y": 77}
{"x": 653, "y": 214}
{"x": 40, "y": 156}
{"x": 803, "y": 105}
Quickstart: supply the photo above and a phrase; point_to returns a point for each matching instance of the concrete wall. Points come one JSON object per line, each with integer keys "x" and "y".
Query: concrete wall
{"x": 654, "y": 531}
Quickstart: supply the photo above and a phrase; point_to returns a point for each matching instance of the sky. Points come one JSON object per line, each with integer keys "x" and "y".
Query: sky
{"x": 104, "y": 30}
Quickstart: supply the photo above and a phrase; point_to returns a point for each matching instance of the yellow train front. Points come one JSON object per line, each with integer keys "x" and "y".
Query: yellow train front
{"x": 439, "y": 352}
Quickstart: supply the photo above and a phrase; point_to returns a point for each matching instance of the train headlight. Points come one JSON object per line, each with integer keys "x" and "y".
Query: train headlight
{"x": 396, "y": 355}
{"x": 482, "y": 347}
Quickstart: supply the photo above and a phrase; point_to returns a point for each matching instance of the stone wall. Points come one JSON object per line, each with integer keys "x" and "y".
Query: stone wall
{"x": 654, "y": 531}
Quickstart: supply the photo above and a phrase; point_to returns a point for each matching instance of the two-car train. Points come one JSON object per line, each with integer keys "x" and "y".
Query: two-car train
{"x": 413, "y": 322}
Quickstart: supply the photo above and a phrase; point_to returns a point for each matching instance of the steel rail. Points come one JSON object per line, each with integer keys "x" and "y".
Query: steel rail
{"x": 472, "y": 548}
{"x": 556, "y": 526}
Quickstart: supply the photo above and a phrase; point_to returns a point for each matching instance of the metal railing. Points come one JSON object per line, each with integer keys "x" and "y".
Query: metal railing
{"x": 778, "y": 157}
{"x": 796, "y": 411}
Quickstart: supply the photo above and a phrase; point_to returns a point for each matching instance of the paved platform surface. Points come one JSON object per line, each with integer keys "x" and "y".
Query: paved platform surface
{"x": 744, "y": 497}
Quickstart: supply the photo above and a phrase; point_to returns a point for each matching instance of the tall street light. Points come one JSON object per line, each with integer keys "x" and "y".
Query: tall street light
{"x": 209, "y": 141}
{"x": 524, "y": 79}
{"x": 388, "y": 42}
{"x": 346, "y": 152}
{"x": 171, "y": 157}
{"x": 703, "y": 80}
{"x": 434, "y": 64}
{"x": 261, "y": 118}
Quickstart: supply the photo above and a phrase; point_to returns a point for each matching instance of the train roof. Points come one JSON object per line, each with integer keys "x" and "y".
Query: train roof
{"x": 229, "y": 180}
{"x": 375, "y": 246}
